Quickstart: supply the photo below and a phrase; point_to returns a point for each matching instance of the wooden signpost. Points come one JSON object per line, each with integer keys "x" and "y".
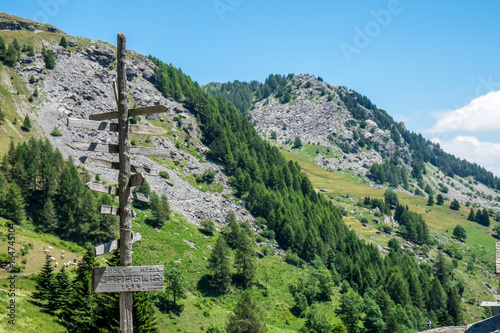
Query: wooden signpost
{"x": 125, "y": 278}
{"x": 113, "y": 245}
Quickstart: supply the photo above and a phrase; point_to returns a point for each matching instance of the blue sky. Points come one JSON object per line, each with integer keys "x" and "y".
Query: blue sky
{"x": 422, "y": 61}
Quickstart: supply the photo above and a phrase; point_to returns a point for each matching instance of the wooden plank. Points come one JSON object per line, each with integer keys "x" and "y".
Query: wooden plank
{"x": 113, "y": 245}
{"x": 131, "y": 112}
{"x": 96, "y": 147}
{"x": 113, "y": 127}
{"x": 115, "y": 165}
{"x": 112, "y": 148}
{"x": 101, "y": 188}
{"x": 110, "y": 210}
{"x": 127, "y": 279}
{"x": 114, "y": 191}
{"x": 136, "y": 179}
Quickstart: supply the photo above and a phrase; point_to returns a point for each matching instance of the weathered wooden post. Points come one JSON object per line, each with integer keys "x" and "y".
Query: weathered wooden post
{"x": 125, "y": 278}
{"x": 126, "y": 298}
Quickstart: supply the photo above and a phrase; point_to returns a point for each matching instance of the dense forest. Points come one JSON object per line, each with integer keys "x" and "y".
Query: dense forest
{"x": 307, "y": 224}
{"x": 38, "y": 186}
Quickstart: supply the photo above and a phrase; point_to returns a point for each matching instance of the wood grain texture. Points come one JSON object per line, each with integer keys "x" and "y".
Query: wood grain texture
{"x": 112, "y": 148}
{"x": 132, "y": 112}
{"x": 113, "y": 127}
{"x": 116, "y": 165}
{"x": 113, "y": 245}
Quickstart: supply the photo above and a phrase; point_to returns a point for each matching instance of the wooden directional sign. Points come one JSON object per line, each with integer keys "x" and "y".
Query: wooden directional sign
{"x": 113, "y": 127}
{"x": 127, "y": 278}
{"x": 113, "y": 245}
{"x": 131, "y": 112}
{"x": 136, "y": 179}
{"x": 116, "y": 165}
{"x": 114, "y": 191}
{"x": 110, "y": 210}
{"x": 111, "y": 148}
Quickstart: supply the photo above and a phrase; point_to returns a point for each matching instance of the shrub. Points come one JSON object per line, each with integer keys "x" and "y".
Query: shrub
{"x": 269, "y": 234}
{"x": 32, "y": 79}
{"x": 293, "y": 259}
{"x": 164, "y": 174}
{"x": 63, "y": 42}
{"x": 208, "y": 226}
{"x": 56, "y": 132}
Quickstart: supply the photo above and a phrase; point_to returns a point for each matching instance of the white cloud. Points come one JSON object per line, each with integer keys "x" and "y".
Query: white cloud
{"x": 486, "y": 154}
{"x": 481, "y": 114}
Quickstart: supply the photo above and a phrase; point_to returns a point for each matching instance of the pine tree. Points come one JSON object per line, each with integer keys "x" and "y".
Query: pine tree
{"x": 61, "y": 290}
{"x": 219, "y": 266}
{"x": 27, "y": 123}
{"x": 460, "y": 233}
{"x": 143, "y": 314}
{"x": 440, "y": 199}
{"x": 49, "y": 217}
{"x": 63, "y": 42}
{"x": 246, "y": 317}
{"x": 48, "y": 57}
{"x": 10, "y": 58}
{"x": 455, "y": 205}
{"x": 472, "y": 215}
{"x": 160, "y": 208}
{"x": 350, "y": 311}
{"x": 437, "y": 296}
{"x": 454, "y": 306}
{"x": 430, "y": 201}
{"x": 373, "y": 321}
{"x": 2, "y": 115}
{"x": 3, "y": 49}
{"x": 79, "y": 314}
{"x": 14, "y": 205}
{"x": 174, "y": 283}
{"x": 44, "y": 281}
{"x": 233, "y": 230}
{"x": 484, "y": 219}
{"x": 245, "y": 259}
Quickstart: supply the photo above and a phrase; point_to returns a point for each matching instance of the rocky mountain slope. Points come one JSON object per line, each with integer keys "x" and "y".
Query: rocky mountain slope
{"x": 317, "y": 115}
{"x": 81, "y": 84}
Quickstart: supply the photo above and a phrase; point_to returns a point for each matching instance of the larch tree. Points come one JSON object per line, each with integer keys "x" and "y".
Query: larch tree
{"x": 219, "y": 265}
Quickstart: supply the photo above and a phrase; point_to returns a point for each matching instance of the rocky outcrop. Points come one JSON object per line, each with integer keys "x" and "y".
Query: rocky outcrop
{"x": 317, "y": 115}
{"x": 81, "y": 84}
{"x": 11, "y": 22}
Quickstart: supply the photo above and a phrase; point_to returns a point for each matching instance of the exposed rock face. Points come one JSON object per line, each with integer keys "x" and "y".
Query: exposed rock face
{"x": 11, "y": 22}
{"x": 81, "y": 84}
{"x": 318, "y": 116}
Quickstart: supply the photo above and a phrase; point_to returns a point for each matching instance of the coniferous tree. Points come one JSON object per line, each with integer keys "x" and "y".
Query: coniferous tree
{"x": 219, "y": 266}
{"x": 350, "y": 311}
{"x": 2, "y": 115}
{"x": 160, "y": 209}
{"x": 472, "y": 215}
{"x": 454, "y": 306}
{"x": 233, "y": 230}
{"x": 175, "y": 284}
{"x": 63, "y": 42}
{"x": 484, "y": 218}
{"x": 61, "y": 290}
{"x": 143, "y": 314}
{"x": 48, "y": 57}
{"x": 14, "y": 205}
{"x": 44, "y": 281}
{"x": 79, "y": 314}
{"x": 430, "y": 200}
{"x": 246, "y": 317}
{"x": 391, "y": 198}
{"x": 455, "y": 205}
{"x": 373, "y": 321}
{"x": 27, "y": 123}
{"x": 3, "y": 49}
{"x": 49, "y": 217}
{"x": 460, "y": 233}
{"x": 10, "y": 57}
{"x": 439, "y": 199}
{"x": 245, "y": 259}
